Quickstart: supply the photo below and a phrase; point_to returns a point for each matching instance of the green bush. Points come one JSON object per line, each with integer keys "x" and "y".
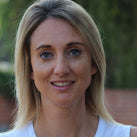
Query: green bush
{"x": 117, "y": 22}
{"x": 7, "y": 84}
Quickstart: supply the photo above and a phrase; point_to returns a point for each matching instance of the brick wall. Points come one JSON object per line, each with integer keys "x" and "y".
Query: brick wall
{"x": 6, "y": 112}
{"x": 122, "y": 106}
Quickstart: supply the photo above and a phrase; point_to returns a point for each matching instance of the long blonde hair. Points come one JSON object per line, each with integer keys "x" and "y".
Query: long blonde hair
{"x": 27, "y": 95}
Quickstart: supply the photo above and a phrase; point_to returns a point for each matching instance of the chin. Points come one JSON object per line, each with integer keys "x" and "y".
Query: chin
{"x": 69, "y": 102}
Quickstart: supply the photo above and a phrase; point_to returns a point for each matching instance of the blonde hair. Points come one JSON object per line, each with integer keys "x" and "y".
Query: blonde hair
{"x": 27, "y": 95}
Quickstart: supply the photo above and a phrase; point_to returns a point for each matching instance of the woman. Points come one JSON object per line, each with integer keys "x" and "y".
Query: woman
{"x": 60, "y": 69}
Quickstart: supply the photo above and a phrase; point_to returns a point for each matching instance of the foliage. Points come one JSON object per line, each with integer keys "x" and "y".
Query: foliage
{"x": 10, "y": 14}
{"x": 6, "y": 84}
{"x": 116, "y": 20}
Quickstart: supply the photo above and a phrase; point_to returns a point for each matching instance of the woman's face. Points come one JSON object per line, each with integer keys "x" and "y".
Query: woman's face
{"x": 61, "y": 63}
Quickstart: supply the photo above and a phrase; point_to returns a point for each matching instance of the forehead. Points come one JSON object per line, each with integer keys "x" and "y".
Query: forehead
{"x": 57, "y": 29}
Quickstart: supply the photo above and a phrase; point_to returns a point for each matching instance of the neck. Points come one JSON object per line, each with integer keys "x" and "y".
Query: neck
{"x": 73, "y": 121}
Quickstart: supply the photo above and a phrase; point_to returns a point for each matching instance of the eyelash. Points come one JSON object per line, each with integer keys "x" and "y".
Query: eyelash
{"x": 44, "y": 54}
{"x": 71, "y": 53}
{"x": 74, "y": 52}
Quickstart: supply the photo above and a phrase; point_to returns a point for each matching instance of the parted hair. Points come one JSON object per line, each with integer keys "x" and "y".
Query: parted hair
{"x": 28, "y": 98}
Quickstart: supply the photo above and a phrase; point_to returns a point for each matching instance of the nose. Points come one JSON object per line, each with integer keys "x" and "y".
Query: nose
{"x": 61, "y": 66}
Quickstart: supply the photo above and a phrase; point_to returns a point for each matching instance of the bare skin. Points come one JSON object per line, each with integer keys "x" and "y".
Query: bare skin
{"x": 62, "y": 71}
{"x": 61, "y": 74}
{"x": 67, "y": 122}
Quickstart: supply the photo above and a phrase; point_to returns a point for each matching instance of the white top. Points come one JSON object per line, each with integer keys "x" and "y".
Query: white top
{"x": 108, "y": 129}
{"x": 104, "y": 130}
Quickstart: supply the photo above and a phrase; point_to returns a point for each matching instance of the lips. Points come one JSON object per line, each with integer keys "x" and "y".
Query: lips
{"x": 62, "y": 84}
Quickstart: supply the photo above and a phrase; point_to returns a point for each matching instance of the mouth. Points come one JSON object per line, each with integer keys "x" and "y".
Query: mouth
{"x": 62, "y": 84}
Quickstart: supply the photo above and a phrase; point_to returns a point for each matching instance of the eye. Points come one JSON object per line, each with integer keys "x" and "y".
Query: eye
{"x": 74, "y": 52}
{"x": 46, "y": 55}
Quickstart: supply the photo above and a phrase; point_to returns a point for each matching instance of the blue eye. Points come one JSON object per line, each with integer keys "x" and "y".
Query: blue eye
{"x": 46, "y": 55}
{"x": 74, "y": 52}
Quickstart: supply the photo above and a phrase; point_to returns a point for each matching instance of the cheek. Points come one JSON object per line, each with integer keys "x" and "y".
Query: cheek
{"x": 38, "y": 79}
{"x": 40, "y": 74}
{"x": 40, "y": 69}
{"x": 82, "y": 69}
{"x": 82, "y": 66}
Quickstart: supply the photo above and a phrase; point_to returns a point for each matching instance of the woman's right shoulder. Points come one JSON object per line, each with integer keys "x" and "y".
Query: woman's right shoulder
{"x": 9, "y": 134}
{"x": 14, "y": 133}
{"x": 26, "y": 131}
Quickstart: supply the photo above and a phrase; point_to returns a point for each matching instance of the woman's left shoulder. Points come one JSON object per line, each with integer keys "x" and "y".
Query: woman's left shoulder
{"x": 133, "y": 132}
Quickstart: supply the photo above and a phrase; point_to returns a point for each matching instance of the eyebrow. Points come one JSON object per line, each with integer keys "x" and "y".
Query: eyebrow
{"x": 43, "y": 46}
{"x": 75, "y": 43}
{"x": 69, "y": 44}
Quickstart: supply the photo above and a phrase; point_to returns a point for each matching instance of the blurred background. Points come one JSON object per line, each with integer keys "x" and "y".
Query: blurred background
{"x": 117, "y": 22}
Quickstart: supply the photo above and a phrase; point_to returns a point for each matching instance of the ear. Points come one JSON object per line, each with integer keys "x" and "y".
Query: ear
{"x": 93, "y": 69}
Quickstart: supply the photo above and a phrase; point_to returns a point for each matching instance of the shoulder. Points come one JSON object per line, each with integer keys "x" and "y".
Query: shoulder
{"x": 22, "y": 132}
{"x": 120, "y": 130}
{"x": 133, "y": 132}
{"x": 13, "y": 133}
{"x": 7, "y": 134}
{"x": 115, "y": 129}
